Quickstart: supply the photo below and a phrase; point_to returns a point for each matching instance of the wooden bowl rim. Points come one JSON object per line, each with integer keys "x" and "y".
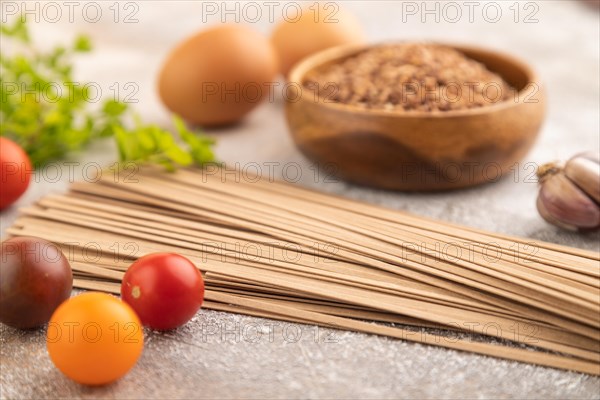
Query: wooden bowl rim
{"x": 298, "y": 72}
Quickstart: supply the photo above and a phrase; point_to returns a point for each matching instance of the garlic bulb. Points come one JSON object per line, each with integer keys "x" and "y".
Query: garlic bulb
{"x": 569, "y": 194}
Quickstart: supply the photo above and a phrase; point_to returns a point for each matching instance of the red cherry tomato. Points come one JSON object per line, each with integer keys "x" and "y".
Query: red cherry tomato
{"x": 15, "y": 171}
{"x": 165, "y": 290}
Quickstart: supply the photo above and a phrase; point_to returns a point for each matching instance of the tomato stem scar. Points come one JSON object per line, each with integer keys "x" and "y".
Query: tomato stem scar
{"x": 136, "y": 292}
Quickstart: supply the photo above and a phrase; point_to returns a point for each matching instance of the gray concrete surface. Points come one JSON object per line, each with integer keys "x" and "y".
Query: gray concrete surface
{"x": 298, "y": 360}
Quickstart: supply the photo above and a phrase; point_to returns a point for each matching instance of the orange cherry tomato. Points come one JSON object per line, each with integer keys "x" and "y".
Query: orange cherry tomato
{"x": 94, "y": 338}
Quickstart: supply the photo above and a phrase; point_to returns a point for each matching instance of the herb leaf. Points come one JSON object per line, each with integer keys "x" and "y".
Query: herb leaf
{"x": 49, "y": 115}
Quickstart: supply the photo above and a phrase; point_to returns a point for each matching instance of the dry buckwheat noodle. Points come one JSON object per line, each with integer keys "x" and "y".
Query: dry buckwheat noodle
{"x": 276, "y": 250}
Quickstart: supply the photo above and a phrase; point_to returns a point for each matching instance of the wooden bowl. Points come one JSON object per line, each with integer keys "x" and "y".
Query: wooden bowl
{"x": 417, "y": 150}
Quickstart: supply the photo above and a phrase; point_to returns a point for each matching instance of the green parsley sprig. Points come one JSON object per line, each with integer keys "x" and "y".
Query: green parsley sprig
{"x": 50, "y": 116}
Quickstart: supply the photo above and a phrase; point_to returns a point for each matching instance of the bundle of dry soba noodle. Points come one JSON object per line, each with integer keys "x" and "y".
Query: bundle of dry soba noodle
{"x": 276, "y": 250}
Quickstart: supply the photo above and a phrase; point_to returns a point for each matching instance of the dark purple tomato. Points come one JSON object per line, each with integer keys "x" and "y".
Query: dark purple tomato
{"x": 35, "y": 278}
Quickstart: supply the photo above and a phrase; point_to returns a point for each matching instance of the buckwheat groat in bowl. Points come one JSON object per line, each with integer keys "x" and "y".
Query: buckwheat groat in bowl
{"x": 414, "y": 116}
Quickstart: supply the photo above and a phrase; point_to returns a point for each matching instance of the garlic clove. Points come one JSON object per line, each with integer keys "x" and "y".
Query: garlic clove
{"x": 550, "y": 218}
{"x": 584, "y": 171}
{"x": 562, "y": 203}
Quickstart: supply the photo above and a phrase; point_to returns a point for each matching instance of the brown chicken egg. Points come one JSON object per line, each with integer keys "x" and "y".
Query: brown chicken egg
{"x": 317, "y": 27}
{"x": 218, "y": 75}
